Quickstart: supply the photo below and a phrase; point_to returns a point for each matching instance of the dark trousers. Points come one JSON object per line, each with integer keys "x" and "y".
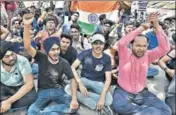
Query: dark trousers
{"x": 25, "y": 101}
{"x": 171, "y": 103}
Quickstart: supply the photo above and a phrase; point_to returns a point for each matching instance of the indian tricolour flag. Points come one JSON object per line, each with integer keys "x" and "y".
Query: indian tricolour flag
{"x": 90, "y": 11}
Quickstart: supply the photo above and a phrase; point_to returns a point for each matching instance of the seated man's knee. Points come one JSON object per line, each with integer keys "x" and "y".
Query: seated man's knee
{"x": 119, "y": 108}
{"x": 32, "y": 110}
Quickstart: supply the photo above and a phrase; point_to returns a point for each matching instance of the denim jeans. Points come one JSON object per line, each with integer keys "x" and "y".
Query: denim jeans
{"x": 34, "y": 67}
{"x": 45, "y": 97}
{"x": 170, "y": 101}
{"x": 170, "y": 96}
{"x": 143, "y": 103}
{"x": 94, "y": 91}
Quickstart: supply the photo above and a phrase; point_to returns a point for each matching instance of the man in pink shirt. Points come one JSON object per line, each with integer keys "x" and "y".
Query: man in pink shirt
{"x": 131, "y": 97}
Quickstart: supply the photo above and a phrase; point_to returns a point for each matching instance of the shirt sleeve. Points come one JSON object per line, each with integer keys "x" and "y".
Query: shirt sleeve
{"x": 171, "y": 54}
{"x": 82, "y": 55}
{"x": 108, "y": 64}
{"x": 26, "y": 68}
{"x": 67, "y": 70}
{"x": 163, "y": 46}
{"x": 74, "y": 56}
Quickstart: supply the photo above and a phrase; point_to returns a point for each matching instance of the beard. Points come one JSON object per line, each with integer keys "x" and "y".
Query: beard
{"x": 136, "y": 54}
{"x": 11, "y": 63}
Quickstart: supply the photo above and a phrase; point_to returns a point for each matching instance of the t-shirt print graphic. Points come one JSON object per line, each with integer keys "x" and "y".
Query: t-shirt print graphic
{"x": 54, "y": 75}
{"x": 99, "y": 67}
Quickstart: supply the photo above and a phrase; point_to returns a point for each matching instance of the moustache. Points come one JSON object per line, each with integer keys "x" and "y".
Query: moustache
{"x": 56, "y": 54}
{"x": 11, "y": 61}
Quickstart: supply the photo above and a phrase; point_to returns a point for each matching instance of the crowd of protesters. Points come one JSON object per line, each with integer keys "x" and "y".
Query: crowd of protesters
{"x": 74, "y": 68}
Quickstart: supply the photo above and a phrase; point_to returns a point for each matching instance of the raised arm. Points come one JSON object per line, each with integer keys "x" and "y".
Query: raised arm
{"x": 122, "y": 45}
{"x": 163, "y": 42}
{"x": 27, "y": 20}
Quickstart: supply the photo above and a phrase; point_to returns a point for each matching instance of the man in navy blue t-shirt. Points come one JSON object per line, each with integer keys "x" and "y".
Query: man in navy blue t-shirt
{"x": 95, "y": 76}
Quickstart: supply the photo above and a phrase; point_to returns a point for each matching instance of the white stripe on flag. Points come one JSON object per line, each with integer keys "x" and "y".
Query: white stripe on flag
{"x": 113, "y": 15}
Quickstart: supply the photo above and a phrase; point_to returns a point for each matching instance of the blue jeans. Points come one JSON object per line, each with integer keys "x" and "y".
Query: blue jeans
{"x": 170, "y": 96}
{"x": 143, "y": 103}
{"x": 94, "y": 91}
{"x": 45, "y": 97}
{"x": 34, "y": 67}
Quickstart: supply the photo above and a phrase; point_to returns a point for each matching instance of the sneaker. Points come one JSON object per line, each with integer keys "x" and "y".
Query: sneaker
{"x": 99, "y": 112}
{"x": 107, "y": 110}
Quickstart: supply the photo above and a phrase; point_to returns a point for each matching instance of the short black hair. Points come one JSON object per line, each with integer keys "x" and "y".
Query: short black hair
{"x": 102, "y": 16}
{"x": 98, "y": 32}
{"x": 108, "y": 22}
{"x": 23, "y": 11}
{"x": 13, "y": 22}
{"x": 141, "y": 35}
{"x": 75, "y": 13}
{"x": 75, "y": 26}
{"x": 168, "y": 19}
{"x": 33, "y": 7}
{"x": 49, "y": 8}
{"x": 67, "y": 36}
{"x": 162, "y": 25}
{"x": 50, "y": 18}
{"x": 130, "y": 23}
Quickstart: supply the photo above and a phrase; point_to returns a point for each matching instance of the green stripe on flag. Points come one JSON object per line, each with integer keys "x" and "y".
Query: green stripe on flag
{"x": 87, "y": 28}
